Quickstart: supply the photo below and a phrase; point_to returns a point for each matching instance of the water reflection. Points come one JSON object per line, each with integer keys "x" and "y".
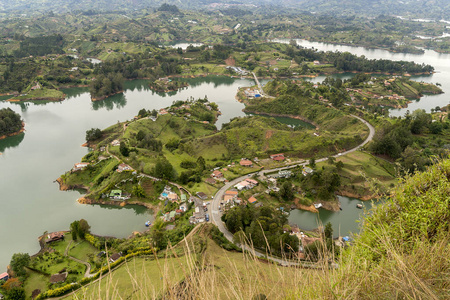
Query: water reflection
{"x": 138, "y": 210}
{"x": 75, "y": 92}
{"x": 119, "y": 101}
{"x": 215, "y": 80}
{"x": 11, "y": 142}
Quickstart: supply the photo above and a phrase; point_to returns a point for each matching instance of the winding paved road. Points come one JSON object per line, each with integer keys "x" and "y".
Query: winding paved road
{"x": 216, "y": 214}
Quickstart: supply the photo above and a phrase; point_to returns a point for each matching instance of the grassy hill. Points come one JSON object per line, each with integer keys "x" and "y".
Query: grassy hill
{"x": 400, "y": 254}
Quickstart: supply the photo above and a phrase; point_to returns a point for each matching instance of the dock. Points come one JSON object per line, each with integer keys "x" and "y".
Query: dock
{"x": 259, "y": 84}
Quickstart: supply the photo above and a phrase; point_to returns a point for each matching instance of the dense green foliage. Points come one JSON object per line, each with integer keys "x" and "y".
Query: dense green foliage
{"x": 105, "y": 85}
{"x": 346, "y": 61}
{"x": 410, "y": 228}
{"x": 79, "y": 229}
{"x": 18, "y": 263}
{"x": 262, "y": 228}
{"x": 412, "y": 140}
{"x": 10, "y": 122}
{"x": 39, "y": 46}
{"x": 93, "y": 134}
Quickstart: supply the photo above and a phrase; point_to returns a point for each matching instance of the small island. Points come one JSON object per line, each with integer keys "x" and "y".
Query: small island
{"x": 10, "y": 123}
{"x": 104, "y": 86}
{"x": 165, "y": 85}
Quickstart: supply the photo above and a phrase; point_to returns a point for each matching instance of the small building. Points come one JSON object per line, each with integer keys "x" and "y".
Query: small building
{"x": 243, "y": 185}
{"x": 246, "y": 163}
{"x": 202, "y": 195}
{"x": 162, "y": 111}
{"x": 113, "y": 258}
{"x": 183, "y": 197}
{"x": 284, "y": 173}
{"x": 172, "y": 197}
{"x": 57, "y": 278}
{"x": 307, "y": 170}
{"x": 4, "y": 276}
{"x": 183, "y": 207}
{"x": 217, "y": 174}
{"x": 252, "y": 181}
{"x": 36, "y": 87}
{"x": 115, "y": 194}
{"x": 79, "y": 166}
{"x": 230, "y": 195}
{"x": 277, "y": 157}
{"x": 210, "y": 181}
{"x": 115, "y": 143}
{"x": 252, "y": 200}
{"x": 54, "y": 236}
{"x": 124, "y": 167}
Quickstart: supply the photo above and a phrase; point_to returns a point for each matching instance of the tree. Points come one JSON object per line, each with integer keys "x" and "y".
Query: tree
{"x": 83, "y": 228}
{"x": 16, "y": 293}
{"x": 18, "y": 263}
{"x": 163, "y": 169}
{"x": 286, "y": 191}
{"x": 143, "y": 113}
{"x": 124, "y": 149}
{"x": 93, "y": 134}
{"x": 331, "y": 160}
{"x": 312, "y": 162}
{"x": 201, "y": 163}
{"x": 74, "y": 227}
{"x": 138, "y": 191}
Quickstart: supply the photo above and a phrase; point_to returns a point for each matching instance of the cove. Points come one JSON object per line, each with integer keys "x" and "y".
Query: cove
{"x": 440, "y": 61}
{"x": 31, "y": 203}
{"x": 345, "y": 222}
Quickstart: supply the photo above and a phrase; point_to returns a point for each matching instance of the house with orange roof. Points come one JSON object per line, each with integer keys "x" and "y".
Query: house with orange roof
{"x": 246, "y": 163}
{"x": 217, "y": 174}
{"x": 252, "y": 200}
{"x": 277, "y": 157}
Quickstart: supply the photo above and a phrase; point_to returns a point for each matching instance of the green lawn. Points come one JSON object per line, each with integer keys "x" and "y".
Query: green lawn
{"x": 42, "y": 94}
{"x": 35, "y": 281}
{"x": 82, "y": 250}
{"x": 61, "y": 246}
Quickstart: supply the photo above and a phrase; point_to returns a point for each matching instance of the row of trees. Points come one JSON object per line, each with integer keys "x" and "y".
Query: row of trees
{"x": 347, "y": 61}
{"x": 262, "y": 228}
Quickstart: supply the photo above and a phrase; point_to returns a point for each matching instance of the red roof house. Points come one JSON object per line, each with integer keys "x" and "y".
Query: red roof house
{"x": 246, "y": 163}
{"x": 277, "y": 157}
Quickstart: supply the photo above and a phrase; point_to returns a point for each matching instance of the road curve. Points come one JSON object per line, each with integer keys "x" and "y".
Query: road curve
{"x": 216, "y": 214}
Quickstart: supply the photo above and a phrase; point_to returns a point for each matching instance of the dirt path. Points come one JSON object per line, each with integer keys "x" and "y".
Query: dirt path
{"x": 88, "y": 265}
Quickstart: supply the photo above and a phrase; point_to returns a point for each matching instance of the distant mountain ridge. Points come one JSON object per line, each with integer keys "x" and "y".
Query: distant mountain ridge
{"x": 436, "y": 9}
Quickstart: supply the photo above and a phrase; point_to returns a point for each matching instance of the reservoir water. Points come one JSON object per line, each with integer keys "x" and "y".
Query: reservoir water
{"x": 30, "y": 201}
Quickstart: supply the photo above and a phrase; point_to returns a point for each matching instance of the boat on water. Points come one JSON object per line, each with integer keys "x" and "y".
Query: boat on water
{"x": 148, "y": 223}
{"x": 318, "y": 205}
{"x": 359, "y": 205}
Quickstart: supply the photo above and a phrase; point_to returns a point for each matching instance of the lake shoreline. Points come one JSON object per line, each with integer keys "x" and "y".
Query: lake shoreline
{"x": 22, "y": 130}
